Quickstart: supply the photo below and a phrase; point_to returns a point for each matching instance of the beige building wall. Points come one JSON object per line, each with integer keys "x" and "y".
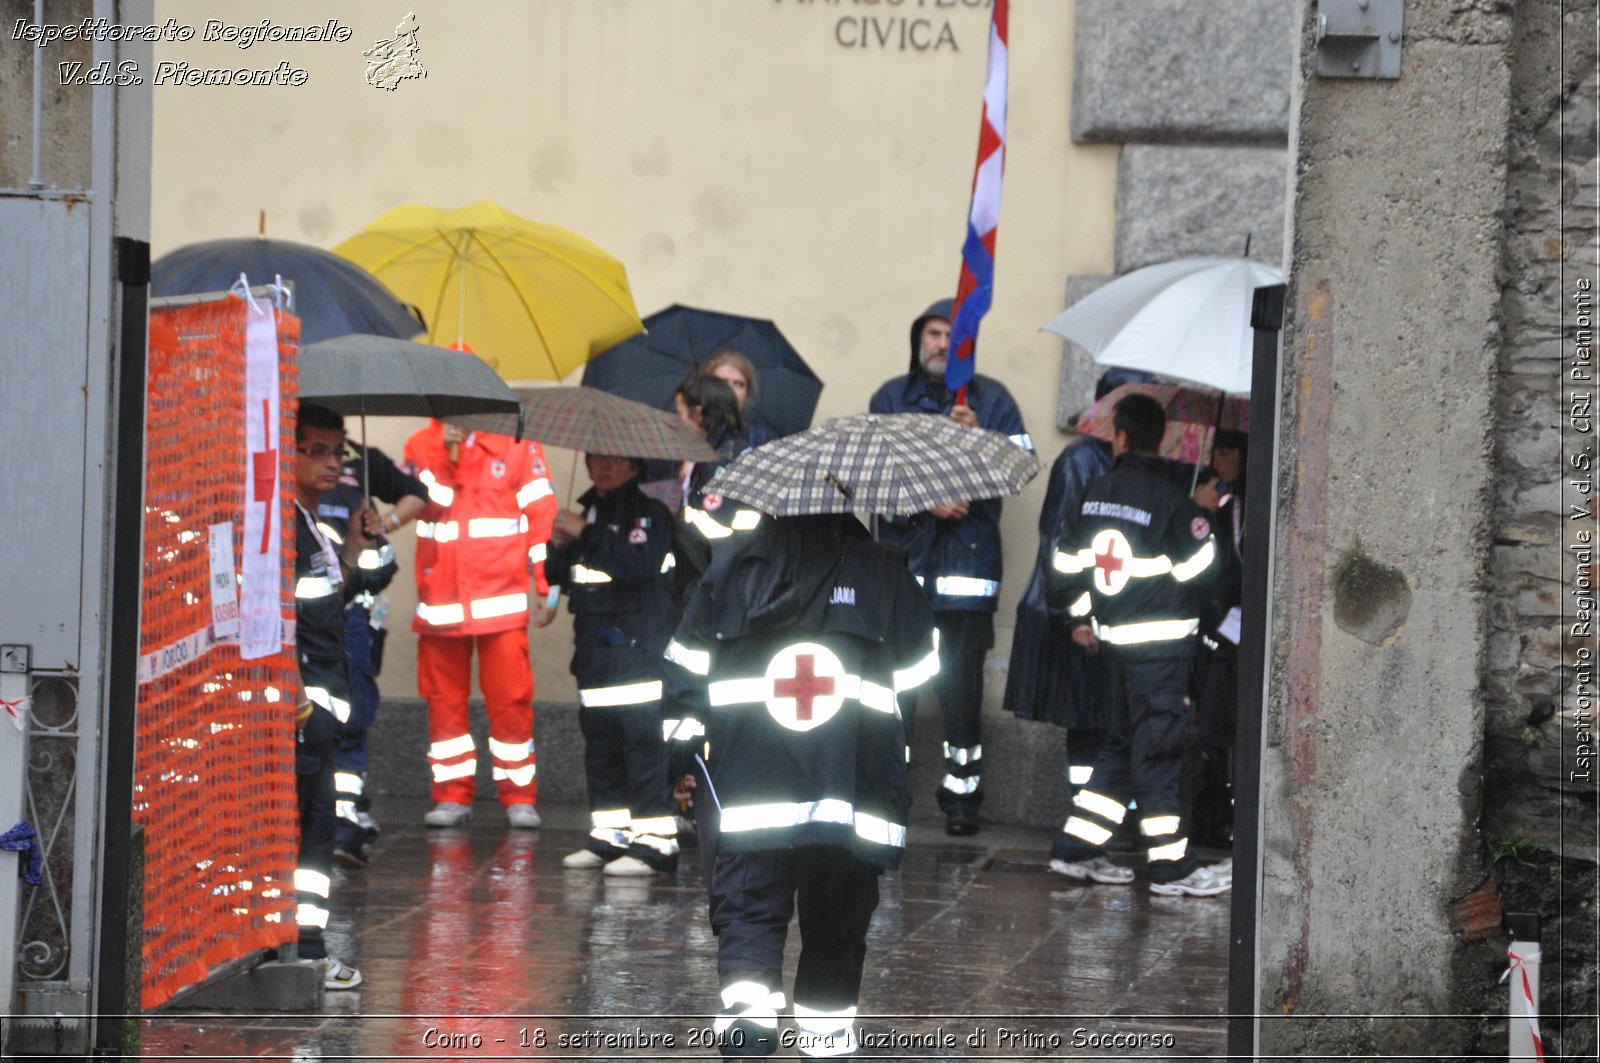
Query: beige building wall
{"x": 751, "y": 156}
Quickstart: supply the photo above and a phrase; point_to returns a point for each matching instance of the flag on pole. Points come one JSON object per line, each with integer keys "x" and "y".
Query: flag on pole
{"x": 976, "y": 287}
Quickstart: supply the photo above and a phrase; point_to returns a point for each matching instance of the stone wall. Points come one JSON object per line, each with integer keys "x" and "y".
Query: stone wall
{"x": 1529, "y": 691}
{"x": 1197, "y": 92}
{"x": 1372, "y": 762}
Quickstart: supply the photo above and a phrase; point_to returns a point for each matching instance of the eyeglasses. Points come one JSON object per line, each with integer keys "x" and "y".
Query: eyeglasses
{"x": 321, "y": 452}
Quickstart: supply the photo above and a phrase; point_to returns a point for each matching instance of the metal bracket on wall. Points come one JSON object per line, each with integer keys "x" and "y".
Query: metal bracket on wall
{"x": 1359, "y": 38}
{"x": 14, "y": 658}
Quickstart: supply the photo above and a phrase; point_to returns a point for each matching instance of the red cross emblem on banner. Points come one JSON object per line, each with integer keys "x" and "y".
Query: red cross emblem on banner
{"x": 264, "y": 474}
{"x": 1111, "y": 555}
{"x": 806, "y": 686}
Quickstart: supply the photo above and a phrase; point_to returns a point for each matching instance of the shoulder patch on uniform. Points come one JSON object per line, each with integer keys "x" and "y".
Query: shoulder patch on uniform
{"x": 538, "y": 468}
{"x": 638, "y": 537}
{"x": 1199, "y": 527}
{"x": 497, "y": 468}
{"x": 713, "y": 503}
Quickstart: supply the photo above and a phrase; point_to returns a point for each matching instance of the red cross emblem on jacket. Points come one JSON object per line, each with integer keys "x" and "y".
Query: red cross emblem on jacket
{"x": 807, "y": 686}
{"x": 1111, "y": 556}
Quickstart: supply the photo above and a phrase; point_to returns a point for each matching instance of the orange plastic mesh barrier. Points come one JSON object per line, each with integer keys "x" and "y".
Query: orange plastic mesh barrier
{"x": 214, "y": 775}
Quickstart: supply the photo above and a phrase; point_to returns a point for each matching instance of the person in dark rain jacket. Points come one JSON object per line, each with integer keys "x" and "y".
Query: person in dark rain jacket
{"x": 1051, "y": 678}
{"x": 790, "y": 672}
{"x": 615, "y": 562}
{"x": 954, "y": 552}
{"x": 371, "y": 472}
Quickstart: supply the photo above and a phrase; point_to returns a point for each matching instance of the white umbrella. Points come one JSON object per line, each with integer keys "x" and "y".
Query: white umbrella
{"x": 1188, "y": 319}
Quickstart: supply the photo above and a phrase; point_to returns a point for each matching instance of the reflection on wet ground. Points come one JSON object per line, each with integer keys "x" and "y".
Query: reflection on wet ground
{"x": 477, "y": 944}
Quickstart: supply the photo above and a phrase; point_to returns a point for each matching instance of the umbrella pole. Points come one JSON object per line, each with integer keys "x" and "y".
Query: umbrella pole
{"x": 1211, "y": 449}
{"x": 461, "y": 293}
{"x": 366, "y": 480}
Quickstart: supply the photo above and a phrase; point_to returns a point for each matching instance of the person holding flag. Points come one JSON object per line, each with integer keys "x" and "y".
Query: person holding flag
{"x": 954, "y": 549}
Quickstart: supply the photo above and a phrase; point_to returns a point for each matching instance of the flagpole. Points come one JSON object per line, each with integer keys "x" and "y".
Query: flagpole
{"x": 975, "y": 286}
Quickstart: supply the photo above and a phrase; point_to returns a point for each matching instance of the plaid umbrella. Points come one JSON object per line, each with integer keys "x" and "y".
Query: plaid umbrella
{"x": 1192, "y": 417}
{"x": 595, "y": 422}
{"x": 896, "y": 464}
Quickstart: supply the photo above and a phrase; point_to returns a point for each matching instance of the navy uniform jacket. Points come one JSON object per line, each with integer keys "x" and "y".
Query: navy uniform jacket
{"x": 786, "y": 675}
{"x": 377, "y": 566}
{"x": 617, "y": 576}
{"x": 1052, "y": 678}
{"x": 319, "y": 595}
{"x": 1130, "y": 558}
{"x": 957, "y": 561}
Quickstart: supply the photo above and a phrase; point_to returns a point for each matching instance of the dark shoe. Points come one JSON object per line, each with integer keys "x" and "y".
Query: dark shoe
{"x": 961, "y": 821}
{"x": 354, "y": 857}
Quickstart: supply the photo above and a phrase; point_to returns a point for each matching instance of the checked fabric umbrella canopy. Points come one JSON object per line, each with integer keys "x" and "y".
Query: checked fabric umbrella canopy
{"x": 596, "y": 422}
{"x": 533, "y": 300}
{"x": 895, "y": 464}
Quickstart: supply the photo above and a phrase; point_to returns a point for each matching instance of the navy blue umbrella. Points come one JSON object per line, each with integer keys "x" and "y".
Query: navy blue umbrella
{"x": 332, "y": 296}
{"x": 648, "y": 368}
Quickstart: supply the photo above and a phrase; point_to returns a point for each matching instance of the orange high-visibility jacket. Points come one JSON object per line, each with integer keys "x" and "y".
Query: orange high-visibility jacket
{"x": 487, "y": 520}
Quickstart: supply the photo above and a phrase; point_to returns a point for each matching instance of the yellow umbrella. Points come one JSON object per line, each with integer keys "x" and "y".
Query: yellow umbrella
{"x": 533, "y": 300}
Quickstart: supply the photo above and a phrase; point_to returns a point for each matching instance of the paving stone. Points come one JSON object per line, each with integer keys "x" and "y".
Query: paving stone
{"x": 479, "y": 931}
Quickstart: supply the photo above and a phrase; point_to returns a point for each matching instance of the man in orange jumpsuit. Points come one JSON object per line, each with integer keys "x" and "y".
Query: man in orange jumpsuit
{"x": 488, "y": 517}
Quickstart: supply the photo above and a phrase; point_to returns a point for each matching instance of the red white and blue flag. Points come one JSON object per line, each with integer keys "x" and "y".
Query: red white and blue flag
{"x": 976, "y": 287}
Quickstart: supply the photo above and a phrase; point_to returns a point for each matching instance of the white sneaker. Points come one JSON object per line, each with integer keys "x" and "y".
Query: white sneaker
{"x": 1200, "y": 882}
{"x": 1099, "y": 870}
{"x": 583, "y": 860}
{"x": 629, "y": 867}
{"x": 336, "y": 975}
{"x": 523, "y": 817}
{"x": 447, "y": 814}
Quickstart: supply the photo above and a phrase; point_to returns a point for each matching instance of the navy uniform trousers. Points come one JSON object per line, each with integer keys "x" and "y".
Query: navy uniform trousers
{"x": 1141, "y": 759}
{"x": 753, "y": 895}
{"x": 316, "y": 748}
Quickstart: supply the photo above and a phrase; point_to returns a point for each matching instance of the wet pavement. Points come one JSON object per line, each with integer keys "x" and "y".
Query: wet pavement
{"x": 476, "y": 944}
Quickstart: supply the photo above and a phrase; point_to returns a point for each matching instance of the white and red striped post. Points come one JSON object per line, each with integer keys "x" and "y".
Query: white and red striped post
{"x": 1522, "y": 974}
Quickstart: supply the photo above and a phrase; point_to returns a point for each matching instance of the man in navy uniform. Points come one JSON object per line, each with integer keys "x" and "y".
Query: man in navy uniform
{"x": 322, "y": 580}
{"x": 954, "y": 552}
{"x": 1129, "y": 573}
{"x": 367, "y": 471}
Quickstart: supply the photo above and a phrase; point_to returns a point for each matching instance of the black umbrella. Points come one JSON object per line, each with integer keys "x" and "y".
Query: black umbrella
{"x": 650, "y": 367}
{"x": 380, "y": 375}
{"x": 384, "y": 376}
{"x": 332, "y": 296}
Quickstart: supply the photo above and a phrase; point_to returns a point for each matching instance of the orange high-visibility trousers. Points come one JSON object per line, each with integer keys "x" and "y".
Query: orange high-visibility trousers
{"x": 505, "y": 675}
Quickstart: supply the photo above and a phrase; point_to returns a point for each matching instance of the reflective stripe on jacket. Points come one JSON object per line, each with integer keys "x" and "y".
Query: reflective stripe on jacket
{"x": 487, "y": 520}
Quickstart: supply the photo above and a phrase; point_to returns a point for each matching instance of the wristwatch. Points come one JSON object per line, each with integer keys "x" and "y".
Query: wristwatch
{"x": 391, "y": 522}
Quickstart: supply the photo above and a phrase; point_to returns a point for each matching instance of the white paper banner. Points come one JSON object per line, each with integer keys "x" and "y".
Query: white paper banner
{"x": 261, "y": 598}
{"x": 224, "y": 588}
